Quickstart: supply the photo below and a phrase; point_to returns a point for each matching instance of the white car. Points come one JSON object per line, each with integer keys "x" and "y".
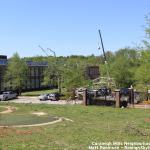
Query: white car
{"x": 44, "y": 97}
{"x": 7, "y": 95}
{"x": 52, "y": 97}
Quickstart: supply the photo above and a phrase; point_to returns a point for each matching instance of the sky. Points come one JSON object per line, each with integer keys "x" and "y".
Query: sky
{"x": 70, "y": 27}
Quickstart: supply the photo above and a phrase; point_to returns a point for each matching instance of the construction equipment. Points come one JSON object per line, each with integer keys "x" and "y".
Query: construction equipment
{"x": 57, "y": 75}
{"x": 52, "y": 52}
{"x": 43, "y": 50}
{"x": 104, "y": 81}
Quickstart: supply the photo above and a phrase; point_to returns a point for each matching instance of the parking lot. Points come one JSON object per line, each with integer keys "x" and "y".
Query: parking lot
{"x": 35, "y": 100}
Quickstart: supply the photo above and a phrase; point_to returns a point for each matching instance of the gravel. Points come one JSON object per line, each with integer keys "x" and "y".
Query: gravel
{"x": 35, "y": 100}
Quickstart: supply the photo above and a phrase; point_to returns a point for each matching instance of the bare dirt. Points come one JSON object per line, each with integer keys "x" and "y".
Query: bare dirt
{"x": 9, "y": 109}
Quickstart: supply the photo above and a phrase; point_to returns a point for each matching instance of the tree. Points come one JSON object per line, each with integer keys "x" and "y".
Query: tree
{"x": 52, "y": 75}
{"x": 147, "y": 31}
{"x": 123, "y": 67}
{"x": 74, "y": 74}
{"x": 142, "y": 74}
{"x": 121, "y": 72}
{"x": 15, "y": 77}
{"x": 73, "y": 78}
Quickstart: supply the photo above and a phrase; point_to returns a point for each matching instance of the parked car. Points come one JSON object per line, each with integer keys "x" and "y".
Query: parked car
{"x": 52, "y": 97}
{"x": 104, "y": 91}
{"x": 79, "y": 90}
{"x": 91, "y": 92}
{"x": 44, "y": 97}
{"x": 8, "y": 95}
{"x": 124, "y": 91}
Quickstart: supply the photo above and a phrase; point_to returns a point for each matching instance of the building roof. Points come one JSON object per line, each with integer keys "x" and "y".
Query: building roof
{"x": 3, "y": 60}
{"x": 3, "y": 57}
{"x": 31, "y": 63}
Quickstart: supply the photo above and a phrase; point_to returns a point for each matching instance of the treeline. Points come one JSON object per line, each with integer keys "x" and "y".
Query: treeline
{"x": 127, "y": 66}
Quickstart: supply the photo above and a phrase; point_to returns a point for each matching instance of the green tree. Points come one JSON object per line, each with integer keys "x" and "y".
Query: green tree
{"x": 52, "y": 75}
{"x": 123, "y": 67}
{"x": 15, "y": 77}
{"x": 142, "y": 74}
{"x": 121, "y": 72}
{"x": 147, "y": 32}
{"x": 74, "y": 75}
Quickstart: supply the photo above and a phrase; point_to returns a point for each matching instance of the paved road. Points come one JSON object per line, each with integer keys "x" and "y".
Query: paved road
{"x": 35, "y": 100}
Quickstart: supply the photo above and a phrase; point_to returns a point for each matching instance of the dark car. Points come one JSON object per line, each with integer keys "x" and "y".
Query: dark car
{"x": 104, "y": 91}
{"x": 124, "y": 91}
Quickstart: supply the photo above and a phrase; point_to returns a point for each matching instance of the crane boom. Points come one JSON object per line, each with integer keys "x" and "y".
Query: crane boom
{"x": 43, "y": 50}
{"x": 102, "y": 45}
{"x": 105, "y": 59}
{"x": 104, "y": 81}
{"x": 52, "y": 51}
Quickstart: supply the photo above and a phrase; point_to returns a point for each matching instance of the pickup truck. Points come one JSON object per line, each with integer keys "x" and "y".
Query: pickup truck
{"x": 7, "y": 95}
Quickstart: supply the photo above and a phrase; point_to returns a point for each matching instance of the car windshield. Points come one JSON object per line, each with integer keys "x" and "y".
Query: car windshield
{"x": 6, "y": 92}
{"x": 51, "y": 94}
{"x": 44, "y": 94}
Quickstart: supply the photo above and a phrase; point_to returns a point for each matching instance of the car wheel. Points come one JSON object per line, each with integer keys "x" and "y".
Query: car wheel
{"x": 124, "y": 104}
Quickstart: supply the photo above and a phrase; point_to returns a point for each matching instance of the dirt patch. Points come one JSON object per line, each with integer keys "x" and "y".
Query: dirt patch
{"x": 143, "y": 106}
{"x": 147, "y": 120}
{"x": 40, "y": 124}
{"x": 9, "y": 109}
{"x": 27, "y": 132}
{"x": 39, "y": 113}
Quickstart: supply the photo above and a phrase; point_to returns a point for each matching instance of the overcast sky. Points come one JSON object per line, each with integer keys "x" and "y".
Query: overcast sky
{"x": 70, "y": 27}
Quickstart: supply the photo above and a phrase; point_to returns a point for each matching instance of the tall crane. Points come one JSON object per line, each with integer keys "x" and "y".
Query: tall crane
{"x": 105, "y": 59}
{"x": 43, "y": 50}
{"x": 52, "y": 52}
{"x": 104, "y": 81}
{"x": 57, "y": 74}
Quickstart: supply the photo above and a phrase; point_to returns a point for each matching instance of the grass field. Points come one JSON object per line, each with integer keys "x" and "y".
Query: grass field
{"x": 37, "y": 93}
{"x": 24, "y": 119}
{"x": 2, "y": 109}
{"x": 91, "y": 124}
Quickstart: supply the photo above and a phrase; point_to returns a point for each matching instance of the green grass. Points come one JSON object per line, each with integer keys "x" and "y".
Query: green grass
{"x": 37, "y": 93}
{"x": 91, "y": 124}
{"x": 2, "y": 109}
{"x": 24, "y": 119}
